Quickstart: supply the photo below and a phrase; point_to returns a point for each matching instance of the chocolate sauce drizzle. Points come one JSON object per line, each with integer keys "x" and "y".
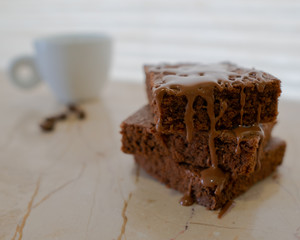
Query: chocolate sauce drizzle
{"x": 193, "y": 80}
{"x": 187, "y": 199}
{"x": 242, "y": 102}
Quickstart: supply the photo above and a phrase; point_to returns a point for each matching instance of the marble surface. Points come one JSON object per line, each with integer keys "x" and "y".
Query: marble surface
{"x": 75, "y": 183}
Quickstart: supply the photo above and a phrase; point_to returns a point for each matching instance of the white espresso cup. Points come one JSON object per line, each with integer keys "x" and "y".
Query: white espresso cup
{"x": 75, "y": 66}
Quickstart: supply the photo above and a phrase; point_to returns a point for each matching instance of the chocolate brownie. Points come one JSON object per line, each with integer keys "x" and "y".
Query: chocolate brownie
{"x": 194, "y": 97}
{"x": 190, "y": 180}
{"x": 236, "y": 149}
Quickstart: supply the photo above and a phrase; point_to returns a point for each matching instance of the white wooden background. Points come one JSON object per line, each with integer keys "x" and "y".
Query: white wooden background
{"x": 260, "y": 33}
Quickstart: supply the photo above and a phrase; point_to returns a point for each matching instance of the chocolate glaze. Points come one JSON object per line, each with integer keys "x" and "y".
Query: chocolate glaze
{"x": 192, "y": 80}
{"x": 258, "y": 113}
{"x": 213, "y": 177}
{"x": 187, "y": 199}
{"x": 242, "y": 102}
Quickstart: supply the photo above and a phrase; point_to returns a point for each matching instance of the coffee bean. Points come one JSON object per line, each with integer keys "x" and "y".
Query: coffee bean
{"x": 50, "y": 119}
{"x": 47, "y": 125}
{"x": 73, "y": 108}
{"x": 81, "y": 115}
{"x": 61, "y": 116}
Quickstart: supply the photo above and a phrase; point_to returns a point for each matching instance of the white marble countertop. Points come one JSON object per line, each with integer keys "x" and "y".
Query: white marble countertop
{"x": 75, "y": 183}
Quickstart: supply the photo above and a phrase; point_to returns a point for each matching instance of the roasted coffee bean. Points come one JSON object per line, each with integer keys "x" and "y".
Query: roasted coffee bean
{"x": 73, "y": 108}
{"x": 47, "y": 125}
{"x": 81, "y": 115}
{"x": 61, "y": 116}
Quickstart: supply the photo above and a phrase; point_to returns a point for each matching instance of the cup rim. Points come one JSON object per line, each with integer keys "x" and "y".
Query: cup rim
{"x": 74, "y": 38}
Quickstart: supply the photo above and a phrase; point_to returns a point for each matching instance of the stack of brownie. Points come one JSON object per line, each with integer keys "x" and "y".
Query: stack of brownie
{"x": 207, "y": 130}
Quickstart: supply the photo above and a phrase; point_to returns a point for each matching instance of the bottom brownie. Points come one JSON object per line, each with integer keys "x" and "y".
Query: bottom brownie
{"x": 186, "y": 178}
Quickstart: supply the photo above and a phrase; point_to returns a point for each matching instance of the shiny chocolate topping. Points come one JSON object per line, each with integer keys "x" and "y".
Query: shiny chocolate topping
{"x": 187, "y": 199}
{"x": 193, "y": 80}
{"x": 213, "y": 177}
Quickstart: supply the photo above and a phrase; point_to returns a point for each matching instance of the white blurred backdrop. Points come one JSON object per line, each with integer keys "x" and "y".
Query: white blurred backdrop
{"x": 255, "y": 33}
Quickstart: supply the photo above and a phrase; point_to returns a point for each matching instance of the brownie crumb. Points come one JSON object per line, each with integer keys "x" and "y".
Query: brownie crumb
{"x": 73, "y": 108}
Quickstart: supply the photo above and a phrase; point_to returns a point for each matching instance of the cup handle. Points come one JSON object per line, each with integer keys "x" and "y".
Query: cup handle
{"x": 27, "y": 79}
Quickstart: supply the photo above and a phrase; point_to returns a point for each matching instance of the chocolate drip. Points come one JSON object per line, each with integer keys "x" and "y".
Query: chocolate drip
{"x": 187, "y": 199}
{"x": 213, "y": 177}
{"x": 260, "y": 83}
{"x": 242, "y": 103}
{"x": 189, "y": 117}
{"x": 223, "y": 108}
{"x": 260, "y": 86}
{"x": 258, "y": 113}
{"x": 192, "y": 80}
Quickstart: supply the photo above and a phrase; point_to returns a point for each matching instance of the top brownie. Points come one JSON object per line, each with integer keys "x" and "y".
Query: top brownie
{"x": 192, "y": 97}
